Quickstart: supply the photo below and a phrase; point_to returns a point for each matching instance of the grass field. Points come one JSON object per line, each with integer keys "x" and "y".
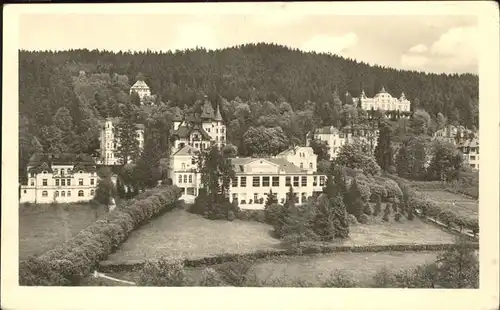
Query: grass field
{"x": 43, "y": 227}
{"x": 313, "y": 269}
{"x": 179, "y": 234}
{"x": 464, "y": 205}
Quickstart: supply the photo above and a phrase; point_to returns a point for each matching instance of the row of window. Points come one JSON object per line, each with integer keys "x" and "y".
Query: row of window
{"x": 275, "y": 181}
{"x": 216, "y": 130}
{"x": 302, "y": 165}
{"x": 56, "y": 171}
{"x": 185, "y": 178}
{"x": 260, "y": 200}
{"x": 67, "y": 193}
{"x": 62, "y": 182}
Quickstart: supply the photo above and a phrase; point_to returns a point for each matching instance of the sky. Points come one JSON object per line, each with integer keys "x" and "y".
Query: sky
{"x": 426, "y": 42}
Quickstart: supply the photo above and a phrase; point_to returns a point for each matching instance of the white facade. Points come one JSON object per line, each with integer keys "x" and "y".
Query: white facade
{"x": 383, "y": 101}
{"x": 302, "y": 157}
{"x": 59, "y": 182}
{"x": 142, "y": 89}
{"x": 335, "y": 138}
{"x": 109, "y": 144}
{"x": 470, "y": 151}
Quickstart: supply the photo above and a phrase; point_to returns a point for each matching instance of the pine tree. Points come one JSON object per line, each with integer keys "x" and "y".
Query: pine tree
{"x": 125, "y": 132}
{"x": 340, "y": 221}
{"x": 383, "y": 150}
{"x": 356, "y": 203}
{"x": 271, "y": 198}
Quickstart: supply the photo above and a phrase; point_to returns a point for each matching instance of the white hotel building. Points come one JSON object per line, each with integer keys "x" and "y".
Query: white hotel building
{"x": 59, "y": 178}
{"x": 383, "y": 101}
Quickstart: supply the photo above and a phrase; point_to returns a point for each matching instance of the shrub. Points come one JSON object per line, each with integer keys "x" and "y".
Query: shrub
{"x": 395, "y": 207}
{"x": 163, "y": 273}
{"x": 368, "y": 209}
{"x": 210, "y": 277}
{"x": 339, "y": 279}
{"x": 72, "y": 260}
{"x": 384, "y": 279}
{"x": 235, "y": 273}
{"x": 230, "y": 216}
{"x": 363, "y": 219}
{"x": 398, "y": 216}
{"x": 352, "y": 219}
{"x": 378, "y": 206}
{"x": 388, "y": 209}
{"x": 364, "y": 190}
{"x": 386, "y": 217}
{"x": 447, "y": 217}
{"x": 273, "y": 213}
{"x": 377, "y": 190}
{"x": 392, "y": 189}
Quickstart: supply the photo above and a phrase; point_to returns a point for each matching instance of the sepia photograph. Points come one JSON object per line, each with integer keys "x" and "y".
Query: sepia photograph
{"x": 266, "y": 145}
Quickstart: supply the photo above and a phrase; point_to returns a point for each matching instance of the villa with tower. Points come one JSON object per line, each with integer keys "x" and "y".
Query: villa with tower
{"x": 382, "y": 101}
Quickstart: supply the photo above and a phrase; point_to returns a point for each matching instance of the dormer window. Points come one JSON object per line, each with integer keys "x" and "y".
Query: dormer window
{"x": 44, "y": 171}
{"x": 80, "y": 171}
{"x": 56, "y": 171}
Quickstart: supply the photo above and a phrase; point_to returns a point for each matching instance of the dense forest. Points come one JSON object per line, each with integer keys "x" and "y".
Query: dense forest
{"x": 265, "y": 90}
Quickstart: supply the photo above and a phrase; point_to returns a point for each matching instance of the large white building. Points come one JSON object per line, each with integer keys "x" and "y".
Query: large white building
{"x": 59, "y": 178}
{"x": 142, "y": 89}
{"x": 336, "y": 138}
{"x": 109, "y": 143}
{"x": 382, "y": 101}
{"x": 200, "y": 134}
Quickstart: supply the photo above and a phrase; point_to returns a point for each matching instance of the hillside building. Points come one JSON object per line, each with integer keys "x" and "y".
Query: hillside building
{"x": 470, "y": 151}
{"x": 61, "y": 178}
{"x": 142, "y": 89}
{"x": 109, "y": 143}
{"x": 453, "y": 134}
{"x": 382, "y": 101}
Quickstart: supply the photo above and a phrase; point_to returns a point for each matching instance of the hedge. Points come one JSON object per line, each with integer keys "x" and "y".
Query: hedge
{"x": 307, "y": 249}
{"x": 68, "y": 263}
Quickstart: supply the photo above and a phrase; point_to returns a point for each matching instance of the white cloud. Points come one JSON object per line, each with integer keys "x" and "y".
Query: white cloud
{"x": 457, "y": 46}
{"x": 330, "y": 44}
{"x": 420, "y": 48}
{"x": 413, "y": 61}
{"x": 194, "y": 35}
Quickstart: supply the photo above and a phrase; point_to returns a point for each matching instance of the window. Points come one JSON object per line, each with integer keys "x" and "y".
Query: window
{"x": 24, "y": 191}
{"x": 69, "y": 170}
{"x": 185, "y": 178}
{"x": 63, "y": 194}
{"x": 32, "y": 183}
{"x": 69, "y": 193}
{"x": 276, "y": 181}
{"x": 234, "y": 182}
{"x": 56, "y": 171}
{"x": 222, "y": 130}
{"x": 472, "y": 165}
{"x": 287, "y": 181}
{"x": 302, "y": 165}
{"x": 190, "y": 178}
{"x": 310, "y": 165}
{"x": 256, "y": 182}
{"x": 265, "y": 181}
{"x": 45, "y": 194}
{"x": 222, "y": 138}
{"x": 183, "y": 166}
{"x": 216, "y": 130}
{"x": 62, "y": 172}
{"x": 193, "y": 161}
{"x": 243, "y": 181}
{"x": 196, "y": 145}
{"x": 80, "y": 171}
{"x": 56, "y": 194}
{"x": 32, "y": 174}
{"x": 304, "y": 181}
{"x": 235, "y": 197}
{"x": 92, "y": 192}
{"x": 44, "y": 182}
{"x": 295, "y": 181}
{"x": 322, "y": 180}
{"x": 57, "y": 182}
{"x": 44, "y": 172}
{"x": 208, "y": 129}
{"x": 80, "y": 193}
{"x": 80, "y": 181}
{"x": 472, "y": 157}
{"x": 180, "y": 179}
{"x": 91, "y": 181}
{"x": 255, "y": 197}
{"x": 68, "y": 182}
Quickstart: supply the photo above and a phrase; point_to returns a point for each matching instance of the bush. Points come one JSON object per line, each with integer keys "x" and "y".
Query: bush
{"x": 447, "y": 217}
{"x": 368, "y": 209}
{"x": 378, "y": 206}
{"x": 395, "y": 207}
{"x": 386, "y": 217}
{"x": 398, "y": 216}
{"x": 230, "y": 216}
{"x": 273, "y": 213}
{"x": 364, "y": 190}
{"x": 384, "y": 279}
{"x": 235, "y": 273}
{"x": 352, "y": 219}
{"x": 210, "y": 278}
{"x": 377, "y": 190}
{"x": 392, "y": 189}
{"x": 72, "y": 260}
{"x": 163, "y": 273}
{"x": 363, "y": 219}
{"x": 339, "y": 279}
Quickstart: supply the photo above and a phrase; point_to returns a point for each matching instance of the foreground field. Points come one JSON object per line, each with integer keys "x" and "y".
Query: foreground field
{"x": 43, "y": 227}
{"x": 311, "y": 269}
{"x": 179, "y": 234}
{"x": 460, "y": 204}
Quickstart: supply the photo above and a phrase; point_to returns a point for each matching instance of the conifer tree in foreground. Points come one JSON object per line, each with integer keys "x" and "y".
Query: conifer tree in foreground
{"x": 356, "y": 204}
{"x": 125, "y": 132}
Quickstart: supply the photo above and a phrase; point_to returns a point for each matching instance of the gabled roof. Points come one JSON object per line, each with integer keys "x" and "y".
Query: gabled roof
{"x": 44, "y": 161}
{"x": 186, "y": 130}
{"x": 140, "y": 84}
{"x": 289, "y": 168}
{"x": 292, "y": 150}
{"x": 186, "y": 151}
{"x": 286, "y": 166}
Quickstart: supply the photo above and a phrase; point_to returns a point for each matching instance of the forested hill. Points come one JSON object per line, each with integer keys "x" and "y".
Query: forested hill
{"x": 60, "y": 105}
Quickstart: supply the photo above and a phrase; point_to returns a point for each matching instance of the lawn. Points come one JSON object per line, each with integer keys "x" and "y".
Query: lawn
{"x": 313, "y": 269}
{"x": 43, "y": 227}
{"x": 464, "y": 205}
{"x": 179, "y": 234}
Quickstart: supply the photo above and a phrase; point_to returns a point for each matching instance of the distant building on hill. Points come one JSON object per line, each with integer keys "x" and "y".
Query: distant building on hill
{"x": 60, "y": 178}
{"x": 142, "y": 89}
{"x": 109, "y": 144}
{"x": 470, "y": 151}
{"x": 336, "y": 138}
{"x": 382, "y": 101}
{"x": 453, "y": 134}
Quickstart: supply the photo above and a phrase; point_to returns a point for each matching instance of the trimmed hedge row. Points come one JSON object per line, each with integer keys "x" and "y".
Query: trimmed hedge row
{"x": 69, "y": 262}
{"x": 307, "y": 249}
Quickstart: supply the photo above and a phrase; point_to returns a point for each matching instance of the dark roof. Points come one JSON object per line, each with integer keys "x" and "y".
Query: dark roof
{"x": 218, "y": 116}
{"x": 207, "y": 111}
{"x": 44, "y": 161}
{"x": 186, "y": 130}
